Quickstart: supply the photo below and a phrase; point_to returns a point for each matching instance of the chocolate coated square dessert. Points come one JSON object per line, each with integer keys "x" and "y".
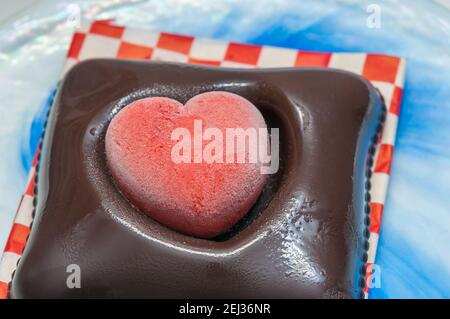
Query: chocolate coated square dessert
{"x": 305, "y": 237}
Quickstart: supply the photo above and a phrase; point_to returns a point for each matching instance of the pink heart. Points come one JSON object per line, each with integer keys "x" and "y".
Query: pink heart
{"x": 199, "y": 199}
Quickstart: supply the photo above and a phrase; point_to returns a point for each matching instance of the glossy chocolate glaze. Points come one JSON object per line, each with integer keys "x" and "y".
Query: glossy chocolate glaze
{"x": 303, "y": 239}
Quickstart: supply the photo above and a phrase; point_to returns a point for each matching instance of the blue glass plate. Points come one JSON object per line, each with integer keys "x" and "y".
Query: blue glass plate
{"x": 413, "y": 255}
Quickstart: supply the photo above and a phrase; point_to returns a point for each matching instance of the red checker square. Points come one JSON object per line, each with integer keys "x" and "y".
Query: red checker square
{"x": 106, "y": 29}
{"x": 175, "y": 42}
{"x": 205, "y": 62}
{"x": 312, "y": 58}
{"x": 3, "y": 290}
{"x": 243, "y": 53}
{"x": 384, "y": 161}
{"x": 395, "y": 101}
{"x": 376, "y": 213}
{"x": 75, "y": 46}
{"x": 133, "y": 51}
{"x": 36, "y": 154}
{"x": 17, "y": 239}
{"x": 381, "y": 68}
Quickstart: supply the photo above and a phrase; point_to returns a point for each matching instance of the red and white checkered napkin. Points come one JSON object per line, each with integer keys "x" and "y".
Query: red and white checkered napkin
{"x": 102, "y": 39}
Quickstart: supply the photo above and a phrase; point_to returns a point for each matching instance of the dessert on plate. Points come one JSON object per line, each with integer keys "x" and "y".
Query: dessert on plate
{"x": 109, "y": 200}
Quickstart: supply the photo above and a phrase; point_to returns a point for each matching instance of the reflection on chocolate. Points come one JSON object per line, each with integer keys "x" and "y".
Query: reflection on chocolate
{"x": 303, "y": 238}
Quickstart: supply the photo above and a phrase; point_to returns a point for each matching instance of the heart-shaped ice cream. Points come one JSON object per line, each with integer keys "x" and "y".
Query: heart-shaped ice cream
{"x": 149, "y": 160}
